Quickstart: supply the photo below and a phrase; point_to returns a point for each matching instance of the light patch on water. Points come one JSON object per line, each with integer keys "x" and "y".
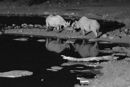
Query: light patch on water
{"x": 41, "y": 40}
{"x": 0, "y": 33}
{"x": 21, "y": 39}
{"x": 55, "y": 68}
{"x": 15, "y": 73}
{"x": 89, "y": 58}
{"x": 83, "y": 80}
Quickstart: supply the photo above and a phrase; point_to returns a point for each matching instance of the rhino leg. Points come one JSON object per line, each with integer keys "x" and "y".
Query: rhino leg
{"x": 95, "y": 33}
{"x": 83, "y": 31}
{"x": 47, "y": 25}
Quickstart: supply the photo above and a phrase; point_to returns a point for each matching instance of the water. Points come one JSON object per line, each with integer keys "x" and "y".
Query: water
{"x": 32, "y": 55}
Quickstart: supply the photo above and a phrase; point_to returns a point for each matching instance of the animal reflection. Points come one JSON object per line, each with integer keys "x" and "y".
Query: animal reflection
{"x": 56, "y": 45}
{"x": 87, "y": 49}
{"x": 84, "y": 48}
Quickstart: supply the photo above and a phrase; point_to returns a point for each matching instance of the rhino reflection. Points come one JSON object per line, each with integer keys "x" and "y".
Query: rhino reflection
{"x": 84, "y": 49}
{"x": 56, "y": 45}
{"x": 87, "y": 49}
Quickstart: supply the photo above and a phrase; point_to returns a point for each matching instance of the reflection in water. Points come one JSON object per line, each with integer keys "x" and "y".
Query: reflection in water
{"x": 87, "y": 49}
{"x": 84, "y": 49}
{"x": 32, "y": 56}
{"x": 56, "y": 46}
{"x": 15, "y": 73}
{"x": 21, "y": 39}
{"x": 55, "y": 68}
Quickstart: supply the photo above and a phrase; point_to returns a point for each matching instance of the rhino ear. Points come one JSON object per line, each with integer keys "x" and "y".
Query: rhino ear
{"x": 76, "y": 24}
{"x": 68, "y": 23}
{"x": 76, "y": 21}
{"x": 50, "y": 15}
{"x": 73, "y": 24}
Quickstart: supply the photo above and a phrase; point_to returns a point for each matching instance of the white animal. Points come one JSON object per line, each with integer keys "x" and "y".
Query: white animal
{"x": 87, "y": 25}
{"x": 56, "y": 21}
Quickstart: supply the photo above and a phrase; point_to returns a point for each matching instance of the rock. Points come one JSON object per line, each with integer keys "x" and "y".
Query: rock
{"x": 104, "y": 35}
{"x": 111, "y": 37}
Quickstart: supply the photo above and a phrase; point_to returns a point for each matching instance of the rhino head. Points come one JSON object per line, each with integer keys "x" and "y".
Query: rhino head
{"x": 67, "y": 24}
{"x": 75, "y": 24}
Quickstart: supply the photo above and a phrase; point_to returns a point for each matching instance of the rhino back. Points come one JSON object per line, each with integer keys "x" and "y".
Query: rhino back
{"x": 95, "y": 25}
{"x": 84, "y": 24}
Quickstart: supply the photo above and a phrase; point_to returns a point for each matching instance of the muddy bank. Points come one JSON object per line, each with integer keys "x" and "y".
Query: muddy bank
{"x": 35, "y": 25}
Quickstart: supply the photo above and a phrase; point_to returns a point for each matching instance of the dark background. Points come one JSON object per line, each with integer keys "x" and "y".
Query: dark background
{"x": 34, "y": 2}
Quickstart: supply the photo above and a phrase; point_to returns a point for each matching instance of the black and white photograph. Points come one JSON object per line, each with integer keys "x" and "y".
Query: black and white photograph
{"x": 64, "y": 43}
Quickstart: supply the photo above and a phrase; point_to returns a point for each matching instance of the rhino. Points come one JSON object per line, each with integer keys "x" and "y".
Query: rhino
{"x": 56, "y": 21}
{"x": 87, "y": 25}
